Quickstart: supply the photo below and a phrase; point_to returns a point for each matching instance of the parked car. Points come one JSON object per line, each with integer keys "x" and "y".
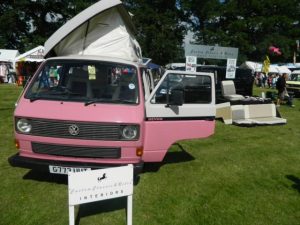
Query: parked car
{"x": 243, "y": 80}
{"x": 293, "y": 84}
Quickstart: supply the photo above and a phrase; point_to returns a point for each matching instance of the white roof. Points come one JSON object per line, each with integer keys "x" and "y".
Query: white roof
{"x": 254, "y": 66}
{"x": 257, "y": 67}
{"x": 34, "y": 55}
{"x": 175, "y": 65}
{"x": 296, "y": 72}
{"x": 284, "y": 69}
{"x": 104, "y": 28}
{"x": 7, "y": 55}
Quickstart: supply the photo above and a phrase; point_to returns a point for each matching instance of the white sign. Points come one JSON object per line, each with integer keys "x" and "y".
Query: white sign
{"x": 231, "y": 68}
{"x": 191, "y": 63}
{"x": 211, "y": 52}
{"x": 97, "y": 185}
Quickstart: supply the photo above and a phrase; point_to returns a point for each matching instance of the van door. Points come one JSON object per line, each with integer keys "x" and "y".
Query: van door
{"x": 181, "y": 106}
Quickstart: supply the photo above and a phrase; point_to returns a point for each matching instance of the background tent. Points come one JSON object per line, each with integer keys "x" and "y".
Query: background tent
{"x": 7, "y": 55}
{"x": 33, "y": 55}
{"x": 283, "y": 69}
{"x": 254, "y": 66}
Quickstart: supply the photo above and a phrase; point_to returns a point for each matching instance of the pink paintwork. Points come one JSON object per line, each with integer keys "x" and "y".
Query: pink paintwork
{"x": 156, "y": 133}
{"x": 156, "y": 136}
{"x": 74, "y": 111}
{"x": 160, "y": 135}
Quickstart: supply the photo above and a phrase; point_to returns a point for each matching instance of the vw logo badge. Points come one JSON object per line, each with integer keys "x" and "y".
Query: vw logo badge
{"x": 73, "y": 129}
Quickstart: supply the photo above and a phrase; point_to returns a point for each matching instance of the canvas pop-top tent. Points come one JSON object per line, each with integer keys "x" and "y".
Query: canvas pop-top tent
{"x": 103, "y": 29}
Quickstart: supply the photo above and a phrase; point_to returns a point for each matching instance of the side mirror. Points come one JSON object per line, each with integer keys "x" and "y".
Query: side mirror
{"x": 176, "y": 97}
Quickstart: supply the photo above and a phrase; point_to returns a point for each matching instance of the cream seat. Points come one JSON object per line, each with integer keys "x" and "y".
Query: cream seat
{"x": 229, "y": 92}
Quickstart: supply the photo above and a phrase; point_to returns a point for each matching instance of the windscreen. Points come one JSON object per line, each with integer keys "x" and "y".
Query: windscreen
{"x": 85, "y": 81}
{"x": 196, "y": 89}
{"x": 295, "y": 77}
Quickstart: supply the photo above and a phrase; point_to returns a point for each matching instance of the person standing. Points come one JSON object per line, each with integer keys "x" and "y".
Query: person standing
{"x": 282, "y": 92}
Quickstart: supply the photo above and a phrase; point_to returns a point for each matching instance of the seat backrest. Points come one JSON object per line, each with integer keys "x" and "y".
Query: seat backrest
{"x": 79, "y": 83}
{"x": 262, "y": 110}
{"x": 228, "y": 87}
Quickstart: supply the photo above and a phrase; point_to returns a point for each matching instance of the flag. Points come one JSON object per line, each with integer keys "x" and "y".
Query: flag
{"x": 266, "y": 65}
{"x": 274, "y": 50}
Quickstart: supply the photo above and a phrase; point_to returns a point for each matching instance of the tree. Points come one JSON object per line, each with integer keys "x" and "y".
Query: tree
{"x": 160, "y": 28}
{"x": 252, "y": 26}
{"x": 159, "y": 23}
{"x": 13, "y": 27}
{"x": 29, "y": 23}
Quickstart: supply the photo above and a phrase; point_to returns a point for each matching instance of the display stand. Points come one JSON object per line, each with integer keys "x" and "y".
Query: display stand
{"x": 98, "y": 185}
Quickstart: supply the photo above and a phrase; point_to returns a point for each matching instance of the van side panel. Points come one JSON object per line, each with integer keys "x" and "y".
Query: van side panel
{"x": 160, "y": 135}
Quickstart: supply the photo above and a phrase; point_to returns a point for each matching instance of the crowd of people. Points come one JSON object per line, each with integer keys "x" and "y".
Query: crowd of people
{"x": 275, "y": 81}
{"x": 20, "y": 75}
{"x": 262, "y": 80}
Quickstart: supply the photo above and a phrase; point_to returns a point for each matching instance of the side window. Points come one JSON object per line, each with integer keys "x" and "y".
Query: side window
{"x": 196, "y": 89}
{"x": 146, "y": 83}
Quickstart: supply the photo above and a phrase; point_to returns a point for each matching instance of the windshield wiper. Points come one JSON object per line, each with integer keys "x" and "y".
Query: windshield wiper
{"x": 95, "y": 101}
{"x": 107, "y": 101}
{"x": 34, "y": 98}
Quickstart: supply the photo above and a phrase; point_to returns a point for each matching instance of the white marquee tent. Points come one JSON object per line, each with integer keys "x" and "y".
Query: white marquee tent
{"x": 7, "y": 55}
{"x": 257, "y": 67}
{"x": 33, "y": 55}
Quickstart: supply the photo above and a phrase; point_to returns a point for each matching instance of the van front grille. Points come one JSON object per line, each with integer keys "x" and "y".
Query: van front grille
{"x": 76, "y": 151}
{"x": 75, "y": 130}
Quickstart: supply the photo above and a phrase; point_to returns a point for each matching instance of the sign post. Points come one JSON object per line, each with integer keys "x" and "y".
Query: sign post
{"x": 98, "y": 185}
{"x": 230, "y": 68}
{"x": 191, "y": 63}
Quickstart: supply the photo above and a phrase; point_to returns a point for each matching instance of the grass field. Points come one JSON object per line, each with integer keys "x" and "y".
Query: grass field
{"x": 239, "y": 176}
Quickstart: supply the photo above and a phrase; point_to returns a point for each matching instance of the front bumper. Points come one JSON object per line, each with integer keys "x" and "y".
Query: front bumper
{"x": 43, "y": 165}
{"x": 294, "y": 90}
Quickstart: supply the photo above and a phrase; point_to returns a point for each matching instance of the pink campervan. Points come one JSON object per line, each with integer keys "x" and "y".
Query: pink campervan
{"x": 93, "y": 104}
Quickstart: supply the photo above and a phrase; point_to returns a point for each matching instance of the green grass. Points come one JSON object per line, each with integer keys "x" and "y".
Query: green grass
{"x": 239, "y": 176}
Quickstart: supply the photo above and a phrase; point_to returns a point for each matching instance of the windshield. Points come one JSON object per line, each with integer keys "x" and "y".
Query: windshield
{"x": 295, "y": 77}
{"x": 85, "y": 81}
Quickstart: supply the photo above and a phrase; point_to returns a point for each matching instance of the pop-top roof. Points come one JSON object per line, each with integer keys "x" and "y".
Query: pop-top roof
{"x": 103, "y": 29}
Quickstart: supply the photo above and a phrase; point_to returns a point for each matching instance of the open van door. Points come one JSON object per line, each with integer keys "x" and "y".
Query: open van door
{"x": 181, "y": 106}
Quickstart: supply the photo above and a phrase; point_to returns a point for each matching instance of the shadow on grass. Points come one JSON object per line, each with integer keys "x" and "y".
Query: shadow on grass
{"x": 296, "y": 181}
{"x": 46, "y": 177}
{"x": 90, "y": 209}
{"x": 170, "y": 158}
{"x": 7, "y": 109}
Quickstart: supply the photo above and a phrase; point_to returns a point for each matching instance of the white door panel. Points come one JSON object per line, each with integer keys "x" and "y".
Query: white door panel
{"x": 191, "y": 110}
{"x": 169, "y": 120}
{"x": 199, "y": 96}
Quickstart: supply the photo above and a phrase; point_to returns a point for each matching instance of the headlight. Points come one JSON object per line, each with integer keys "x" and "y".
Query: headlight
{"x": 24, "y": 126}
{"x": 129, "y": 132}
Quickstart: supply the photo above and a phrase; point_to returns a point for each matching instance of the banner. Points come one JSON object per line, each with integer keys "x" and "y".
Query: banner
{"x": 98, "y": 185}
{"x": 211, "y": 52}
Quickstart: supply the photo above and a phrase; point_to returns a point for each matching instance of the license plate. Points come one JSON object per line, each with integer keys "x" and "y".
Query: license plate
{"x": 66, "y": 170}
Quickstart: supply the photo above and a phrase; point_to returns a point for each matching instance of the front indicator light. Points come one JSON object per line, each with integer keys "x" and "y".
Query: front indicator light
{"x": 139, "y": 151}
{"x": 17, "y": 144}
{"x": 24, "y": 126}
